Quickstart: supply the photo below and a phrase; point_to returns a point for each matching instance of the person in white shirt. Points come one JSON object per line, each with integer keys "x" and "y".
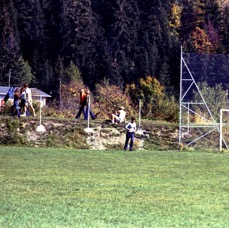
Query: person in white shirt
{"x": 29, "y": 99}
{"x": 131, "y": 128}
{"x": 120, "y": 117}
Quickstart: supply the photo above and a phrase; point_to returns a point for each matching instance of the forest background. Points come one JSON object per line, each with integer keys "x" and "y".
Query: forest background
{"x": 127, "y": 47}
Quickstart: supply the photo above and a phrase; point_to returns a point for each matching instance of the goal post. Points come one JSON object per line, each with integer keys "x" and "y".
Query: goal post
{"x": 221, "y": 136}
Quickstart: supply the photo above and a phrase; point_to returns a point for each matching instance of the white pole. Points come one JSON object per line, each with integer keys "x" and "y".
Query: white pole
{"x": 88, "y": 130}
{"x": 40, "y": 128}
{"x": 9, "y": 76}
{"x": 88, "y": 111}
{"x": 220, "y": 130}
{"x": 139, "y": 115}
{"x": 188, "y": 117}
{"x": 40, "y": 110}
{"x": 60, "y": 106}
{"x": 139, "y": 131}
{"x": 180, "y": 116}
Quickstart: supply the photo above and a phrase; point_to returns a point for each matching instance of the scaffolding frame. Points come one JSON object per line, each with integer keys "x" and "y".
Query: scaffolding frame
{"x": 211, "y": 126}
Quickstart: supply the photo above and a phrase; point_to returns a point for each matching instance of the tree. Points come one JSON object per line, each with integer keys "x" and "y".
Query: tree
{"x": 155, "y": 103}
{"x": 148, "y": 38}
{"x": 9, "y": 39}
{"x": 21, "y": 73}
{"x": 225, "y": 29}
{"x": 71, "y": 74}
{"x": 215, "y": 97}
{"x": 199, "y": 31}
{"x": 175, "y": 18}
{"x": 149, "y": 90}
{"x": 110, "y": 98}
{"x": 31, "y": 24}
{"x": 120, "y": 21}
{"x": 84, "y": 45}
{"x": 70, "y": 96}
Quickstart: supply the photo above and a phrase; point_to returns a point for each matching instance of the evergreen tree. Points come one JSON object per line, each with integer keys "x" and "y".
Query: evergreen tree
{"x": 84, "y": 35}
{"x": 225, "y": 29}
{"x": 59, "y": 35}
{"x": 148, "y": 36}
{"x": 188, "y": 19}
{"x": 21, "y": 73}
{"x": 9, "y": 39}
{"x": 121, "y": 22}
{"x": 31, "y": 24}
{"x": 156, "y": 41}
{"x": 71, "y": 74}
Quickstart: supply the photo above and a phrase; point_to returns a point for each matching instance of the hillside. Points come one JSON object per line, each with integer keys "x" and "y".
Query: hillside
{"x": 70, "y": 133}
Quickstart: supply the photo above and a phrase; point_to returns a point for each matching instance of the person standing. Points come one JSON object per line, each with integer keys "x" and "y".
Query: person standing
{"x": 83, "y": 102}
{"x": 23, "y": 101}
{"x": 15, "y": 105}
{"x": 29, "y": 99}
{"x": 131, "y": 128}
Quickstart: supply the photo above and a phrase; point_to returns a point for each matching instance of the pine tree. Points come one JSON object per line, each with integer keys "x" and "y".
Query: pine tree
{"x": 9, "y": 39}
{"x": 31, "y": 24}
{"x": 21, "y": 73}
{"x": 155, "y": 42}
{"x": 225, "y": 29}
{"x": 148, "y": 37}
{"x": 120, "y": 22}
{"x": 84, "y": 39}
{"x": 71, "y": 74}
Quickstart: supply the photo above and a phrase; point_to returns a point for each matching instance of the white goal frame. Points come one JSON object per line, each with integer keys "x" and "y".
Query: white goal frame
{"x": 221, "y": 140}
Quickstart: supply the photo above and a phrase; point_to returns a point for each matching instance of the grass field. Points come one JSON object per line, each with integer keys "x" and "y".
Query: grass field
{"x": 82, "y": 188}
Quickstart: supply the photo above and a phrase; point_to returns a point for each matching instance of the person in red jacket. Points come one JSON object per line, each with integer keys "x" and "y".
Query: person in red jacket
{"x": 83, "y": 103}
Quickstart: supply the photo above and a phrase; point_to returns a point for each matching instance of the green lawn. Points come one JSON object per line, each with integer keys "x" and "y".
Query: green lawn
{"x": 82, "y": 188}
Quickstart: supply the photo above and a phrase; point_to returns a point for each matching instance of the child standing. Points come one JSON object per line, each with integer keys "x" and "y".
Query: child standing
{"x": 131, "y": 128}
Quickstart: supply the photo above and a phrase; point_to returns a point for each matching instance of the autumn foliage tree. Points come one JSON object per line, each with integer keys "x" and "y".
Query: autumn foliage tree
{"x": 149, "y": 90}
{"x": 72, "y": 83}
{"x": 109, "y": 98}
{"x": 156, "y": 105}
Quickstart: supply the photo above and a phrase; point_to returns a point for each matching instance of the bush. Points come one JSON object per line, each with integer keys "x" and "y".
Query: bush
{"x": 6, "y": 109}
{"x": 215, "y": 97}
{"x": 109, "y": 98}
{"x": 155, "y": 105}
{"x": 167, "y": 109}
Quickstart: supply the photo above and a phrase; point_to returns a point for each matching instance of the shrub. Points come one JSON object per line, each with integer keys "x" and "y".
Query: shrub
{"x": 167, "y": 109}
{"x": 215, "y": 97}
{"x": 155, "y": 105}
{"x": 6, "y": 109}
{"x": 69, "y": 101}
{"x": 109, "y": 98}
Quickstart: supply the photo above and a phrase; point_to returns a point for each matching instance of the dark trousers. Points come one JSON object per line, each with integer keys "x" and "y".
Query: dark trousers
{"x": 16, "y": 108}
{"x": 90, "y": 113}
{"x": 129, "y": 137}
{"x": 81, "y": 109}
